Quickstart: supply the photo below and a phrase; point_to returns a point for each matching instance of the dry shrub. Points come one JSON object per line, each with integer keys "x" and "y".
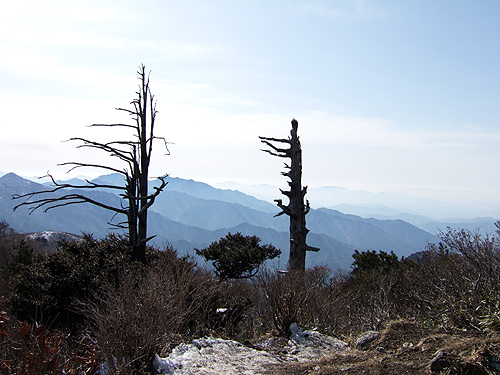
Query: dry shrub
{"x": 473, "y": 272}
{"x": 329, "y": 306}
{"x": 344, "y": 304}
{"x": 290, "y": 297}
{"x": 236, "y": 316}
{"x": 147, "y": 309}
{"x": 340, "y": 304}
{"x": 458, "y": 293}
{"x": 455, "y": 287}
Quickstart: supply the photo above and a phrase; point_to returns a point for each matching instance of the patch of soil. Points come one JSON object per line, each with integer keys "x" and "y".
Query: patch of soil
{"x": 405, "y": 347}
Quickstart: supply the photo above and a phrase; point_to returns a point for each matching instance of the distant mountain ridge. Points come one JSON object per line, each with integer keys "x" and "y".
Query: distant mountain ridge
{"x": 377, "y": 204}
{"x": 485, "y": 224}
{"x": 189, "y": 214}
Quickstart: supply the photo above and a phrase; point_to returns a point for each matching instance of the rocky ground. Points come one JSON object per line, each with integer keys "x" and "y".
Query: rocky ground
{"x": 406, "y": 348}
{"x": 403, "y": 347}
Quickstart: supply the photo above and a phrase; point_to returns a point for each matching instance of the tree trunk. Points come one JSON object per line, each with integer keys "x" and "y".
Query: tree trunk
{"x": 296, "y": 209}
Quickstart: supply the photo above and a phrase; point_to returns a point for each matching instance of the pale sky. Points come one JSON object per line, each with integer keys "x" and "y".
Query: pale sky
{"x": 389, "y": 95}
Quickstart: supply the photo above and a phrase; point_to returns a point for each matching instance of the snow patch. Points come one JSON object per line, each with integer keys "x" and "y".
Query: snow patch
{"x": 303, "y": 346}
{"x": 50, "y": 236}
{"x": 209, "y": 356}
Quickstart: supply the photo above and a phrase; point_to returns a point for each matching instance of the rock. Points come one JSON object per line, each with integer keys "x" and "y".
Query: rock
{"x": 440, "y": 361}
{"x": 366, "y": 338}
{"x": 475, "y": 369}
{"x": 301, "y": 343}
{"x": 304, "y": 346}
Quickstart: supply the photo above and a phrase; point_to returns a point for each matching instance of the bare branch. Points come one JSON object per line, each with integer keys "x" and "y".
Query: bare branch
{"x": 112, "y": 125}
{"x": 286, "y": 174}
{"x": 287, "y": 193}
{"x": 81, "y": 165}
{"x": 312, "y": 248}
{"x": 275, "y": 154}
{"x": 285, "y": 209}
{"x": 166, "y": 144}
{"x": 277, "y": 149}
{"x": 128, "y": 111}
{"x": 91, "y": 185}
{"x": 67, "y": 199}
{"x": 282, "y": 140}
{"x": 113, "y": 151}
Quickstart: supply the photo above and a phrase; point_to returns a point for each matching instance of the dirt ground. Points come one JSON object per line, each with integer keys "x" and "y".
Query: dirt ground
{"x": 406, "y": 348}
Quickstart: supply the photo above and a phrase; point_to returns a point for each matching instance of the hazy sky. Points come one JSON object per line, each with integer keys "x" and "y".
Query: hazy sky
{"x": 389, "y": 95}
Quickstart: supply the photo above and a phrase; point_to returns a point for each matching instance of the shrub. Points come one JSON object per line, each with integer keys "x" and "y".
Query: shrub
{"x": 465, "y": 272}
{"x": 237, "y": 256}
{"x": 32, "y": 349}
{"x": 369, "y": 260}
{"x": 290, "y": 297}
{"x": 456, "y": 286}
{"x": 45, "y": 287}
{"x": 131, "y": 310}
{"x": 146, "y": 311}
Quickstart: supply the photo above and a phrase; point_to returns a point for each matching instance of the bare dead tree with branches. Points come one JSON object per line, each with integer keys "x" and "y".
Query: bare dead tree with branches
{"x": 135, "y": 153}
{"x": 296, "y": 209}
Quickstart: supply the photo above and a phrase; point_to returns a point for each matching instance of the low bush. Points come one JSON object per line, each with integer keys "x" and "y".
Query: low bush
{"x": 173, "y": 300}
{"x": 290, "y": 297}
{"x": 44, "y": 287}
{"x": 138, "y": 316}
{"x": 27, "y": 349}
{"x": 237, "y": 256}
{"x": 455, "y": 287}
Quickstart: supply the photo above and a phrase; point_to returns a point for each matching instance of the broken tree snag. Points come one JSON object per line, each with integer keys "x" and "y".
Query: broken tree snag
{"x": 296, "y": 209}
{"x": 135, "y": 153}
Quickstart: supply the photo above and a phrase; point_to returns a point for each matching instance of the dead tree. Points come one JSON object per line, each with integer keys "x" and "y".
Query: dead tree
{"x": 136, "y": 155}
{"x": 296, "y": 209}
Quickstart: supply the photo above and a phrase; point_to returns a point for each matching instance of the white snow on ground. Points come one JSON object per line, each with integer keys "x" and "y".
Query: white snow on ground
{"x": 51, "y": 236}
{"x": 207, "y": 356}
{"x": 306, "y": 345}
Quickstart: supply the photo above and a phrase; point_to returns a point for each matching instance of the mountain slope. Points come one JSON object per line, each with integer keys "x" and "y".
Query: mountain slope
{"x": 186, "y": 221}
{"x": 212, "y": 214}
{"x": 71, "y": 219}
{"x": 204, "y": 191}
{"x": 369, "y": 234}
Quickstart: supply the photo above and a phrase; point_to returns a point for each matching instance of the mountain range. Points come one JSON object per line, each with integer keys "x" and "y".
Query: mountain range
{"x": 191, "y": 214}
{"x": 386, "y": 205}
